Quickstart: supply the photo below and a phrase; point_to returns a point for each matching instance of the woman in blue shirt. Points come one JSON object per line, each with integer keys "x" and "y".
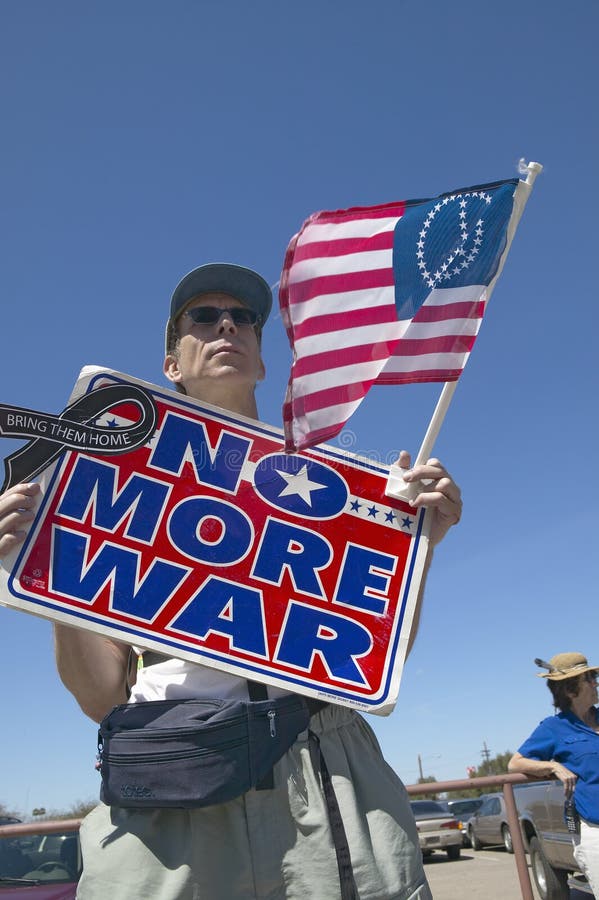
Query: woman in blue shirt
{"x": 566, "y": 746}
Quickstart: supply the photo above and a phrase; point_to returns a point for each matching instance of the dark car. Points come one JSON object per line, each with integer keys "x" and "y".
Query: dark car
{"x": 42, "y": 866}
{"x": 489, "y": 824}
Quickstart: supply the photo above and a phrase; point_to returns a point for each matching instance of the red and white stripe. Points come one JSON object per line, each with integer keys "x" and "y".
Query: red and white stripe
{"x": 338, "y": 302}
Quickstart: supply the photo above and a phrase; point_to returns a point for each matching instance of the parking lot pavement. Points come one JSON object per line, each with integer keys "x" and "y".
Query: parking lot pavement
{"x": 485, "y": 875}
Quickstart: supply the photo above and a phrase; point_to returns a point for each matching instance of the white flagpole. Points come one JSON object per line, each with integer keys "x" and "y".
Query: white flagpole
{"x": 396, "y": 486}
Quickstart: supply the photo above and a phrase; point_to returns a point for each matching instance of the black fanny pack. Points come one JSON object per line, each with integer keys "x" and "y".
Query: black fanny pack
{"x": 193, "y": 753}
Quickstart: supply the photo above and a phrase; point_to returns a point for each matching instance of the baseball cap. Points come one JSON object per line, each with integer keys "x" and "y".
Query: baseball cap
{"x": 240, "y": 282}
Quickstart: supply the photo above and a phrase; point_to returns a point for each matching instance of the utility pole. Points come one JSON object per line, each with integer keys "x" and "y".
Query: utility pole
{"x": 485, "y": 752}
{"x": 436, "y": 756}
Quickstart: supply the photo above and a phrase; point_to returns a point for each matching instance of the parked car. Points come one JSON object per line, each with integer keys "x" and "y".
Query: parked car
{"x": 437, "y": 829}
{"x": 463, "y": 808}
{"x": 489, "y": 824}
{"x": 38, "y": 866}
{"x": 540, "y": 806}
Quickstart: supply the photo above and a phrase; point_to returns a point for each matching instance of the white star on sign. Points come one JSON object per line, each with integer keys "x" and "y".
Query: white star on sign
{"x": 300, "y": 484}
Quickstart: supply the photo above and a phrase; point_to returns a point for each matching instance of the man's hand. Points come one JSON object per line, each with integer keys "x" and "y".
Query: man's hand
{"x": 16, "y": 513}
{"x": 440, "y": 493}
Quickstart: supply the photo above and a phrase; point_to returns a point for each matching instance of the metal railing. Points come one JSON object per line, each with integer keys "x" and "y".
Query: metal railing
{"x": 48, "y": 826}
{"x": 504, "y": 782}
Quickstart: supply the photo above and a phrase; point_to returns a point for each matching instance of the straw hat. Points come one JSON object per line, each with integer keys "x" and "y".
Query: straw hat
{"x": 565, "y": 665}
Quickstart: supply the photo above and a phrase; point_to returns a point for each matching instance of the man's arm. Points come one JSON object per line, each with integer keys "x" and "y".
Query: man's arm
{"x": 93, "y": 668}
{"x": 443, "y": 496}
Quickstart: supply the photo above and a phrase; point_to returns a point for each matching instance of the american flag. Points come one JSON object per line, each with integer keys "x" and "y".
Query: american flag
{"x": 388, "y": 294}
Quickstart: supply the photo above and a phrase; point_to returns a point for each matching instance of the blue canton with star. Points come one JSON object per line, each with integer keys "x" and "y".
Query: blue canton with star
{"x": 452, "y": 241}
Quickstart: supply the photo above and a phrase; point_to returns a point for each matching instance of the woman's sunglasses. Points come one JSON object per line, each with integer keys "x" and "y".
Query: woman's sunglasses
{"x": 210, "y": 315}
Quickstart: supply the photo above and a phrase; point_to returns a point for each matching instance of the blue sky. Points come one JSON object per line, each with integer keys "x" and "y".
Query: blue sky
{"x": 141, "y": 139}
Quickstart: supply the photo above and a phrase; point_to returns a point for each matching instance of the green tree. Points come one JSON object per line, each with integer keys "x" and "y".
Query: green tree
{"x": 77, "y": 810}
{"x": 81, "y": 808}
{"x": 497, "y": 765}
{"x": 428, "y": 779}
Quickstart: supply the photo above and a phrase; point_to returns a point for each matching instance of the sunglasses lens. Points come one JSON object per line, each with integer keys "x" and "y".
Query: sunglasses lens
{"x": 209, "y": 315}
{"x": 203, "y": 315}
{"x": 243, "y": 316}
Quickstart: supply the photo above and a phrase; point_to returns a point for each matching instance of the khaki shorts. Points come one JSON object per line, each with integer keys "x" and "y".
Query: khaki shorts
{"x": 267, "y": 845}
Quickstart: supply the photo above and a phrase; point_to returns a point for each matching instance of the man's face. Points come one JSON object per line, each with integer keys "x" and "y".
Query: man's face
{"x": 215, "y": 357}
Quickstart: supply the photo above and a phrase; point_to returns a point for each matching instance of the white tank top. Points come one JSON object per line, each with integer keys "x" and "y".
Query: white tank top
{"x": 176, "y": 679}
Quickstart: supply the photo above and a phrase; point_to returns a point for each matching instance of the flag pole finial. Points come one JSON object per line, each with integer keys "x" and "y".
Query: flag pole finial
{"x": 531, "y": 170}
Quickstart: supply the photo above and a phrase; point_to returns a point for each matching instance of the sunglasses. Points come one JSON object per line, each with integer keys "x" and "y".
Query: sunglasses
{"x": 210, "y": 315}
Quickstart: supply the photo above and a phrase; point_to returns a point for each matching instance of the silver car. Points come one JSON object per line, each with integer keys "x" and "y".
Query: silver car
{"x": 489, "y": 824}
{"x": 437, "y": 829}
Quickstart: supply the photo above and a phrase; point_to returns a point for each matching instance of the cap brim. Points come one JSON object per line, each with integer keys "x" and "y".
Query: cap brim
{"x": 244, "y": 284}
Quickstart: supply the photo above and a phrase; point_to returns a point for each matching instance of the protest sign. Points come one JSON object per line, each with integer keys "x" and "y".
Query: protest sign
{"x": 209, "y": 543}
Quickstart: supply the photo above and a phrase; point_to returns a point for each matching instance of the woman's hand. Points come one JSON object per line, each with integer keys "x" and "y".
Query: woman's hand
{"x": 567, "y": 778}
{"x": 16, "y": 513}
{"x": 440, "y": 493}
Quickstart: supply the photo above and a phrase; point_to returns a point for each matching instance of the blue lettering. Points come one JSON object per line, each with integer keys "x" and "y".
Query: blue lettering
{"x": 229, "y": 530}
{"x": 141, "y": 598}
{"x": 184, "y": 440}
{"x": 292, "y": 547}
{"x": 336, "y": 640}
{"x": 359, "y": 578}
{"x": 94, "y": 483}
{"x": 229, "y": 609}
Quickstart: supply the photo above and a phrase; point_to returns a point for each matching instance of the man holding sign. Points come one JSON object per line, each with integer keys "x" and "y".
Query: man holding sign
{"x": 276, "y": 841}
